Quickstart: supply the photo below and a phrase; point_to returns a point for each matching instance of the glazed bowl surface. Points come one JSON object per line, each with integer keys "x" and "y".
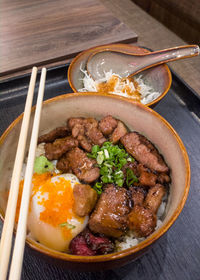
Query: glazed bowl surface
{"x": 159, "y": 77}
{"x": 137, "y": 117}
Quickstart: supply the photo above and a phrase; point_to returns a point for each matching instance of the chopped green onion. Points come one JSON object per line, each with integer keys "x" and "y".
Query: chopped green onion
{"x": 66, "y": 224}
{"x": 100, "y": 158}
{"x": 106, "y": 153}
{"x": 95, "y": 149}
{"x": 110, "y": 159}
{"x": 98, "y": 188}
{"x": 120, "y": 182}
{"x": 130, "y": 177}
{"x": 130, "y": 159}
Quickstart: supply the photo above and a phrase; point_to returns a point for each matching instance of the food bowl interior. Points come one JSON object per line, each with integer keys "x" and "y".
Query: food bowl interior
{"x": 158, "y": 78}
{"x": 137, "y": 117}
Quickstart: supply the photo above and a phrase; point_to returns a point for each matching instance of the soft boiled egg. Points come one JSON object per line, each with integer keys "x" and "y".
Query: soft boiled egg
{"x": 51, "y": 220}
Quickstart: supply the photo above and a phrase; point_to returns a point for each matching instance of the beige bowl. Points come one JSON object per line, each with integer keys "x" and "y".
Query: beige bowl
{"x": 158, "y": 77}
{"x": 137, "y": 117}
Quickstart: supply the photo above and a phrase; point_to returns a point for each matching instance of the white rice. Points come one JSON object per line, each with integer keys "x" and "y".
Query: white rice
{"x": 40, "y": 151}
{"x": 147, "y": 93}
{"x": 129, "y": 240}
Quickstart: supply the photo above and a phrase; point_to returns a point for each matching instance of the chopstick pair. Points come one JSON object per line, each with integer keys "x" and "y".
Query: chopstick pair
{"x": 6, "y": 239}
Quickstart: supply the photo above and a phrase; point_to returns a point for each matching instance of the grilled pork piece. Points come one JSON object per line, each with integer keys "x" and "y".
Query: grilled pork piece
{"x": 163, "y": 178}
{"x": 92, "y": 131}
{"x": 86, "y": 131}
{"x": 137, "y": 195}
{"x": 142, "y": 221}
{"x": 77, "y": 130}
{"x": 60, "y": 146}
{"x": 146, "y": 178}
{"x": 85, "y": 143}
{"x": 73, "y": 121}
{"x": 63, "y": 164}
{"x": 107, "y": 125}
{"x": 90, "y": 123}
{"x": 82, "y": 166}
{"x": 154, "y": 198}
{"x": 96, "y": 136}
{"x": 53, "y": 135}
{"x": 144, "y": 151}
{"x": 111, "y": 212}
{"x": 119, "y": 131}
{"x": 84, "y": 199}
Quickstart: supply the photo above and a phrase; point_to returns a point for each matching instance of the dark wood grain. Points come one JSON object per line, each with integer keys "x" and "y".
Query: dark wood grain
{"x": 43, "y": 31}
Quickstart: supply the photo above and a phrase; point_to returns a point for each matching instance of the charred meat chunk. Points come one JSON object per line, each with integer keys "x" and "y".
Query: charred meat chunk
{"x": 107, "y": 125}
{"x": 92, "y": 131}
{"x": 86, "y": 131}
{"x": 111, "y": 212}
{"x": 77, "y": 127}
{"x": 119, "y": 132}
{"x": 53, "y": 135}
{"x": 85, "y": 143}
{"x": 78, "y": 246}
{"x": 154, "y": 198}
{"x": 74, "y": 121}
{"x": 142, "y": 221}
{"x": 101, "y": 244}
{"x": 84, "y": 199}
{"x": 137, "y": 195}
{"x": 63, "y": 164}
{"x": 90, "y": 123}
{"x": 144, "y": 151}
{"x": 146, "y": 178}
{"x": 96, "y": 136}
{"x": 77, "y": 130}
{"x": 87, "y": 244}
{"x": 60, "y": 146}
{"x": 82, "y": 166}
{"x": 163, "y": 178}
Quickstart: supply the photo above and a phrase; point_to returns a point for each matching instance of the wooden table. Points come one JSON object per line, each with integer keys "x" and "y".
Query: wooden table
{"x": 40, "y": 32}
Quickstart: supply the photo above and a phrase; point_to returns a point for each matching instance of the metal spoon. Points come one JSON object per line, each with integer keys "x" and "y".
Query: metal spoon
{"x": 128, "y": 64}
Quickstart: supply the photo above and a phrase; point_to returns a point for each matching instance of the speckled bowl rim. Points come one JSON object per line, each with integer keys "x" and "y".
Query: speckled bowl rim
{"x": 152, "y": 238}
{"x": 107, "y": 47}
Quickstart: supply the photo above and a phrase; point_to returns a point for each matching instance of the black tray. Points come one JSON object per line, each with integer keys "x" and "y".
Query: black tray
{"x": 177, "y": 254}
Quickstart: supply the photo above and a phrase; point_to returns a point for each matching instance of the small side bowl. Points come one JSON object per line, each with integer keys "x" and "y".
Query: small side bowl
{"x": 137, "y": 117}
{"x": 158, "y": 77}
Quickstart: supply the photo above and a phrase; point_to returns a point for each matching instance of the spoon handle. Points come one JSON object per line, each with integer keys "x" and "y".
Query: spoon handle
{"x": 158, "y": 57}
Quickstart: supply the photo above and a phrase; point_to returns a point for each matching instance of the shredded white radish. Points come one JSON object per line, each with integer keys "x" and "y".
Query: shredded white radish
{"x": 147, "y": 93}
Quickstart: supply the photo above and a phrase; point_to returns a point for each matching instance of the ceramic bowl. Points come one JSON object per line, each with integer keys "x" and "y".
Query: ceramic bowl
{"x": 137, "y": 117}
{"x": 159, "y": 77}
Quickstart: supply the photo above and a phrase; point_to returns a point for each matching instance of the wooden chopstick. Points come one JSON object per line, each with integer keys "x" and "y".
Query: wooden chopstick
{"x": 7, "y": 233}
{"x": 16, "y": 264}
{"x": 17, "y": 258}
